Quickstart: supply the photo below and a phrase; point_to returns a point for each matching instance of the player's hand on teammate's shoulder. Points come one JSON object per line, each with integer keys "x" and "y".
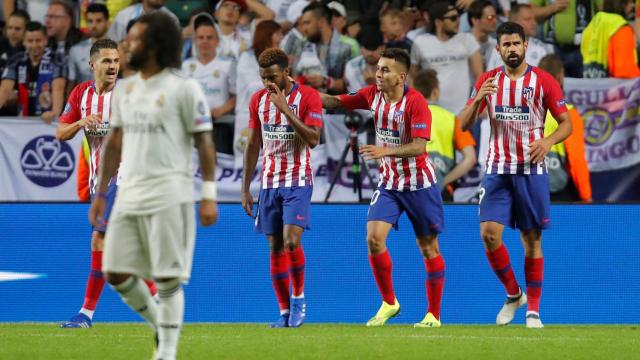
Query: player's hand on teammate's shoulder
{"x": 539, "y": 149}
{"x": 208, "y": 212}
{"x": 247, "y": 203}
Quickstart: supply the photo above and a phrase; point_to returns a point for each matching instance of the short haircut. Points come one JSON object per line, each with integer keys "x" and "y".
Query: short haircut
{"x": 510, "y": 28}
{"x": 426, "y": 81}
{"x": 203, "y": 19}
{"x": 102, "y": 44}
{"x": 370, "y": 38}
{"x": 273, "y": 56}
{"x": 552, "y": 64}
{"x": 515, "y": 10}
{"x": 36, "y": 26}
{"x": 22, "y": 14}
{"x": 163, "y": 36}
{"x": 320, "y": 10}
{"x": 616, "y": 7}
{"x": 68, "y": 8}
{"x": 475, "y": 10}
{"x": 98, "y": 8}
{"x": 399, "y": 55}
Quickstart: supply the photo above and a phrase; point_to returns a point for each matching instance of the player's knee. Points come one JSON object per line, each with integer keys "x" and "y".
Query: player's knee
{"x": 429, "y": 247}
{"x": 491, "y": 238}
{"x": 115, "y": 279}
{"x": 375, "y": 243}
{"x": 292, "y": 242}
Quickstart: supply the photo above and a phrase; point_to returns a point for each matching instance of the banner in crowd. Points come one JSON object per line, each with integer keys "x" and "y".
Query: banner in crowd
{"x": 610, "y": 110}
{"x": 34, "y": 166}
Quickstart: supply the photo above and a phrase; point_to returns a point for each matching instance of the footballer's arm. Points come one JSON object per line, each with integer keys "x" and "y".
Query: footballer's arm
{"x": 309, "y": 134}
{"x": 110, "y": 159}
{"x": 330, "y": 102}
{"x": 207, "y": 154}
{"x": 251, "y": 154}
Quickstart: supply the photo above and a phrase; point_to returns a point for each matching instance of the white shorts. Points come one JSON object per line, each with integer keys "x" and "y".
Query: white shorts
{"x": 152, "y": 246}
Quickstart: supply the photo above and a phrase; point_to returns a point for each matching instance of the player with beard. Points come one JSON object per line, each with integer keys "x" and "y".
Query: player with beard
{"x": 158, "y": 116}
{"x": 89, "y": 108}
{"x": 515, "y": 188}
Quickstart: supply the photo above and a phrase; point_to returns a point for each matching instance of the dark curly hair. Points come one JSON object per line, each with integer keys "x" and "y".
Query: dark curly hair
{"x": 273, "y": 56}
{"x": 163, "y": 37}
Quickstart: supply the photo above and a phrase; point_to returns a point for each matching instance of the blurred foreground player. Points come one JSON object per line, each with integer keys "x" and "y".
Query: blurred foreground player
{"x": 285, "y": 119}
{"x": 515, "y": 189}
{"x": 408, "y": 181}
{"x": 157, "y": 116}
{"x": 89, "y": 108}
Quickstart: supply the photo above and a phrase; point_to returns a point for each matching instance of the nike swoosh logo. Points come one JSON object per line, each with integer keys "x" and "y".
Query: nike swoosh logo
{"x": 13, "y": 276}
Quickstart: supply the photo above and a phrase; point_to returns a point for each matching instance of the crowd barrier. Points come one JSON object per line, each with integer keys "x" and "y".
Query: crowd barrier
{"x": 592, "y": 272}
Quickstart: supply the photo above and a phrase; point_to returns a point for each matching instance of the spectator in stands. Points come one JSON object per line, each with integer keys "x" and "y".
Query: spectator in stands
{"x": 361, "y": 71}
{"x": 293, "y": 41}
{"x": 423, "y": 26}
{"x": 447, "y": 136}
{"x": 215, "y": 73}
{"x": 563, "y": 22}
{"x": 569, "y": 178}
{"x": 280, "y": 8}
{"x": 268, "y": 34}
{"x": 97, "y": 16}
{"x": 609, "y": 44}
{"x": 37, "y": 78}
{"x": 339, "y": 24}
{"x": 394, "y": 30}
{"x": 61, "y": 29}
{"x": 233, "y": 41}
{"x": 323, "y": 56}
{"x": 453, "y": 55}
{"x": 118, "y": 29}
{"x": 483, "y": 20}
{"x": 536, "y": 49}
{"x": 14, "y": 30}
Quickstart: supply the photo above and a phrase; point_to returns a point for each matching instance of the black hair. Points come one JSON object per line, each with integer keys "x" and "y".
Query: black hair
{"x": 22, "y": 14}
{"x": 102, "y": 44}
{"x": 370, "y": 38}
{"x": 476, "y": 8}
{"x": 399, "y": 55}
{"x": 163, "y": 37}
{"x": 273, "y": 56}
{"x": 36, "y": 26}
{"x": 320, "y": 10}
{"x": 509, "y": 28}
{"x": 98, "y": 8}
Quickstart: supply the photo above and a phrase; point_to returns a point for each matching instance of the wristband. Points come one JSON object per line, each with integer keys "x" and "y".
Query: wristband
{"x": 209, "y": 190}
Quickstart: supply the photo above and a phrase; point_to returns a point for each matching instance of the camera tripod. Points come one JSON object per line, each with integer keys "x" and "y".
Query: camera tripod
{"x": 356, "y": 168}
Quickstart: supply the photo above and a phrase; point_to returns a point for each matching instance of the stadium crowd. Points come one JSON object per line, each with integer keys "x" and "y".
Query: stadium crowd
{"x": 333, "y": 46}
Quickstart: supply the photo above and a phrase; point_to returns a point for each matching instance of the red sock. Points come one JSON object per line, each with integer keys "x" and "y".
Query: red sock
{"x": 501, "y": 265}
{"x": 95, "y": 283}
{"x": 280, "y": 279}
{"x": 533, "y": 272}
{"x": 152, "y": 287}
{"x": 296, "y": 270}
{"x": 435, "y": 283}
{"x": 382, "y": 266}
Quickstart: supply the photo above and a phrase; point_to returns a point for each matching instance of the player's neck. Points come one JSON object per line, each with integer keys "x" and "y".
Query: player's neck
{"x": 516, "y": 73}
{"x": 206, "y": 58}
{"x": 394, "y": 95}
{"x": 103, "y": 87}
{"x": 288, "y": 85}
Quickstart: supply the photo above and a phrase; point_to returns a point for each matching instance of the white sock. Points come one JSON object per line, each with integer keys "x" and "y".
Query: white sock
{"x": 284, "y": 311}
{"x": 170, "y": 316}
{"x": 301, "y": 296}
{"x": 135, "y": 293}
{"x": 87, "y": 312}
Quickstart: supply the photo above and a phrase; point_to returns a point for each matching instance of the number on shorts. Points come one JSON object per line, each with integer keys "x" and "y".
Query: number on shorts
{"x": 375, "y": 196}
{"x": 481, "y": 195}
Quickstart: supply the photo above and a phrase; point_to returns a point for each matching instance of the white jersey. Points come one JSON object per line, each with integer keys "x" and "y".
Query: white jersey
{"x": 536, "y": 50}
{"x": 247, "y": 83}
{"x": 451, "y": 60}
{"x": 233, "y": 44}
{"x": 79, "y": 69}
{"x": 217, "y": 78}
{"x": 158, "y": 117}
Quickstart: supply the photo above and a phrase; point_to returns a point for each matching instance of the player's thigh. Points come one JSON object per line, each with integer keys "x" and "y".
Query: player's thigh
{"x": 532, "y": 201}
{"x": 124, "y": 251}
{"x": 384, "y": 207}
{"x": 424, "y": 209}
{"x": 171, "y": 240}
{"x": 269, "y": 216}
{"x": 496, "y": 201}
{"x": 296, "y": 206}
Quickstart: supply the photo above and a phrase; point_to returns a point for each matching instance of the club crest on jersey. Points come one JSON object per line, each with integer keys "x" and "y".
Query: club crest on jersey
{"x": 160, "y": 102}
{"x": 192, "y": 67}
{"x": 129, "y": 88}
{"x": 527, "y": 92}
{"x": 294, "y": 108}
{"x": 398, "y": 116}
{"x": 216, "y": 73}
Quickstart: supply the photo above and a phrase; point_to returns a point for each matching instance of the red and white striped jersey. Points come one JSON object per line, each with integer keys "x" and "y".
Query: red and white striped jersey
{"x": 517, "y": 112}
{"x": 286, "y": 158}
{"x": 398, "y": 124}
{"x": 84, "y": 101}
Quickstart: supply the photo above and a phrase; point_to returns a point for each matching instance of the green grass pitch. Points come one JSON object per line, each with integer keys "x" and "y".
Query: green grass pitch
{"x": 323, "y": 341}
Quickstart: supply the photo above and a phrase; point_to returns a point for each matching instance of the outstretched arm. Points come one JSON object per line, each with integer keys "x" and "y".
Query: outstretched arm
{"x": 330, "y": 102}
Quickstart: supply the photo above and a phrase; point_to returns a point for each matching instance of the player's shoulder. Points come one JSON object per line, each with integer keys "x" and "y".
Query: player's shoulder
{"x": 257, "y": 95}
{"x": 80, "y": 88}
{"x": 415, "y": 97}
{"x": 307, "y": 90}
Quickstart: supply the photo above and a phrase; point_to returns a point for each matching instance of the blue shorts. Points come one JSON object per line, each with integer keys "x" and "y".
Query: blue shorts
{"x": 110, "y": 198}
{"x": 517, "y": 201}
{"x": 283, "y": 206}
{"x": 423, "y": 207}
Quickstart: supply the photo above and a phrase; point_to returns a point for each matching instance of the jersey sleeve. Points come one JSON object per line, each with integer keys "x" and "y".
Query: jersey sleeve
{"x": 462, "y": 139}
{"x": 254, "y": 120}
{"x": 358, "y": 100}
{"x": 71, "y": 112}
{"x": 475, "y": 90}
{"x": 312, "y": 112}
{"x": 553, "y": 97}
{"x": 420, "y": 118}
{"x": 196, "y": 113}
